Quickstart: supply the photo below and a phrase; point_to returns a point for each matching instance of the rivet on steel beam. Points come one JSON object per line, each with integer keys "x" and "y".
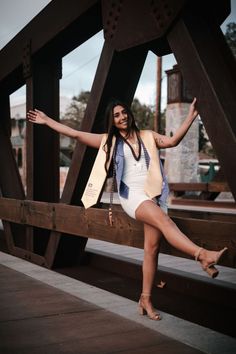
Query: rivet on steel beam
{"x": 26, "y": 60}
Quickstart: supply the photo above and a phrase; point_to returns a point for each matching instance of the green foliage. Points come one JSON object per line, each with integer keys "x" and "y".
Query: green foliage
{"x": 143, "y": 114}
{"x": 230, "y": 36}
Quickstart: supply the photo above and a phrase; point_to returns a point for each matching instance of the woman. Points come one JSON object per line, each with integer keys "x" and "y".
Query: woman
{"x": 141, "y": 184}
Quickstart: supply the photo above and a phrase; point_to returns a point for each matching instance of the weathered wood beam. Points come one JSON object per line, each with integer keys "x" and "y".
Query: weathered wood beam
{"x": 94, "y": 223}
{"x": 209, "y": 69}
{"x": 204, "y": 203}
{"x": 206, "y": 187}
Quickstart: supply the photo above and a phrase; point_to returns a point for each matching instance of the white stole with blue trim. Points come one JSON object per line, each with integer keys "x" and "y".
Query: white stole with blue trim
{"x": 154, "y": 180}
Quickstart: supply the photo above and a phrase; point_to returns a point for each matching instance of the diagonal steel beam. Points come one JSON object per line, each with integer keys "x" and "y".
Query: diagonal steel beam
{"x": 209, "y": 69}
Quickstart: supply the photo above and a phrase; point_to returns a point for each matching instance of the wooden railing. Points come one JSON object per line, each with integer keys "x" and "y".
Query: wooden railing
{"x": 94, "y": 223}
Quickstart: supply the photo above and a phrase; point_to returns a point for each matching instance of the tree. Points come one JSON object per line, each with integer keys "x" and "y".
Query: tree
{"x": 230, "y": 36}
{"x": 75, "y": 112}
{"x": 144, "y": 115}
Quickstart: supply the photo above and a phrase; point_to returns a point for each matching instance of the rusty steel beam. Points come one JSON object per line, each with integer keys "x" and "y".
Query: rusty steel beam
{"x": 209, "y": 69}
{"x": 127, "y": 24}
{"x": 55, "y": 31}
{"x": 10, "y": 181}
{"x": 43, "y": 143}
{"x": 108, "y": 83}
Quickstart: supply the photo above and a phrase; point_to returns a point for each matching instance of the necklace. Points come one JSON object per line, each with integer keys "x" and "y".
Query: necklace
{"x": 135, "y": 147}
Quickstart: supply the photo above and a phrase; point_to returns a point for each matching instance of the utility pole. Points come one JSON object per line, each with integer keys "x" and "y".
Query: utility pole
{"x": 157, "y": 116}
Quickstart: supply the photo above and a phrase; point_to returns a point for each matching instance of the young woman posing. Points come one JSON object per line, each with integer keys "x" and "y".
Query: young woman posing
{"x": 142, "y": 186}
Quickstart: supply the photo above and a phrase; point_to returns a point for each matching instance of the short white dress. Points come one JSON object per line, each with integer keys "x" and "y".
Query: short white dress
{"x": 134, "y": 176}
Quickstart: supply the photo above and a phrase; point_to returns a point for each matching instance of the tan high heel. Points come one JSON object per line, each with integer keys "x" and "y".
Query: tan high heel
{"x": 153, "y": 315}
{"x": 210, "y": 268}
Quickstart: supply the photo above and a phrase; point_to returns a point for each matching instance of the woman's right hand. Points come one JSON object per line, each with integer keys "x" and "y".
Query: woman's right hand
{"x": 36, "y": 116}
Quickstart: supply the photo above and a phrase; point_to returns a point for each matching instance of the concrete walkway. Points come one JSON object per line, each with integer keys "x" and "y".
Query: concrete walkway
{"x": 171, "y": 335}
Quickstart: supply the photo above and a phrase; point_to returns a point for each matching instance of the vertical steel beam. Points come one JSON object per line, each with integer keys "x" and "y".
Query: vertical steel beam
{"x": 42, "y": 143}
{"x": 10, "y": 180}
{"x": 117, "y": 76}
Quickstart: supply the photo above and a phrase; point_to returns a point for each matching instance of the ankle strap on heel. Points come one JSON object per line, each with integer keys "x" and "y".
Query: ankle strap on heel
{"x": 197, "y": 254}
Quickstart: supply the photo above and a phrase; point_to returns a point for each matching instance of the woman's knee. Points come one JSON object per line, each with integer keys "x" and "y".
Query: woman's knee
{"x": 152, "y": 250}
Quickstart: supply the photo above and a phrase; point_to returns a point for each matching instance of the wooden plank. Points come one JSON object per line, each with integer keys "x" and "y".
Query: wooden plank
{"x": 53, "y": 321}
{"x": 203, "y": 203}
{"x": 176, "y": 187}
{"x": 211, "y": 235}
{"x": 218, "y": 187}
{"x": 205, "y": 187}
{"x": 94, "y": 223}
{"x": 206, "y": 62}
{"x": 213, "y": 214}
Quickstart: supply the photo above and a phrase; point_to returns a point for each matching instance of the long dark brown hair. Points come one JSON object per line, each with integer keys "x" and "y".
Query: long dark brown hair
{"x": 112, "y": 130}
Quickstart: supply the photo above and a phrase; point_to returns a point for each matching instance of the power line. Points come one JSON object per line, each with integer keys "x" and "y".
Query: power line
{"x": 81, "y": 67}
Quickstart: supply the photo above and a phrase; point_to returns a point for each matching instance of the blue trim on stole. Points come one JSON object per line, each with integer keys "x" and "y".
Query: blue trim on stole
{"x": 123, "y": 189}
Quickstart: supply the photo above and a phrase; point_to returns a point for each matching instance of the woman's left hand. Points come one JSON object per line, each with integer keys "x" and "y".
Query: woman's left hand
{"x": 193, "y": 113}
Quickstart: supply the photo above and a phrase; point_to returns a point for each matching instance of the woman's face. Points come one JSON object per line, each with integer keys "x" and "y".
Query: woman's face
{"x": 120, "y": 117}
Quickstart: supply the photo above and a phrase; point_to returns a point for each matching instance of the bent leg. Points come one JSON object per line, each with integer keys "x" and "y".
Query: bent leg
{"x": 152, "y": 240}
{"x": 151, "y": 214}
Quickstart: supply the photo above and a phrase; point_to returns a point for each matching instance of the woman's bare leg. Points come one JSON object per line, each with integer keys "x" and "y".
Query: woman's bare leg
{"x": 152, "y": 240}
{"x": 151, "y": 214}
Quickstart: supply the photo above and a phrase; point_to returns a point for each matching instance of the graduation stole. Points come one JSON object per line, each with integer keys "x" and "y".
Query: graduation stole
{"x": 154, "y": 180}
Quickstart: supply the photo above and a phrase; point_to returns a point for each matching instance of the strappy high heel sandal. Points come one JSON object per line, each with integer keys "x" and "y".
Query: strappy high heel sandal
{"x": 153, "y": 315}
{"x": 210, "y": 268}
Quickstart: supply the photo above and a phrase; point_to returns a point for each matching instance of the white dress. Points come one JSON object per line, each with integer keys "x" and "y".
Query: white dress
{"x": 134, "y": 176}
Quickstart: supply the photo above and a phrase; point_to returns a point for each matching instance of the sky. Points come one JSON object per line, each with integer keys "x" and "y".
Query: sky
{"x": 79, "y": 66}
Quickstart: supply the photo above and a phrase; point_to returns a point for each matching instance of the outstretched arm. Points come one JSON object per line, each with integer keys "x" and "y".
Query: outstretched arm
{"x": 90, "y": 139}
{"x": 163, "y": 141}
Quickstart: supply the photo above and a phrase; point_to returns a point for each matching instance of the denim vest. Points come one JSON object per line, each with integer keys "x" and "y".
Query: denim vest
{"x": 123, "y": 189}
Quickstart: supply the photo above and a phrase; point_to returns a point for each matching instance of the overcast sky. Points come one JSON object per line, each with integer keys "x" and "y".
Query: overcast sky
{"x": 80, "y": 65}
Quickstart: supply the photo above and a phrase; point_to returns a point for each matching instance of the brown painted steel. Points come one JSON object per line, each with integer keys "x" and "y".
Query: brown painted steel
{"x": 127, "y": 24}
{"x": 71, "y": 25}
{"x": 208, "y": 68}
{"x": 117, "y": 76}
{"x": 10, "y": 180}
